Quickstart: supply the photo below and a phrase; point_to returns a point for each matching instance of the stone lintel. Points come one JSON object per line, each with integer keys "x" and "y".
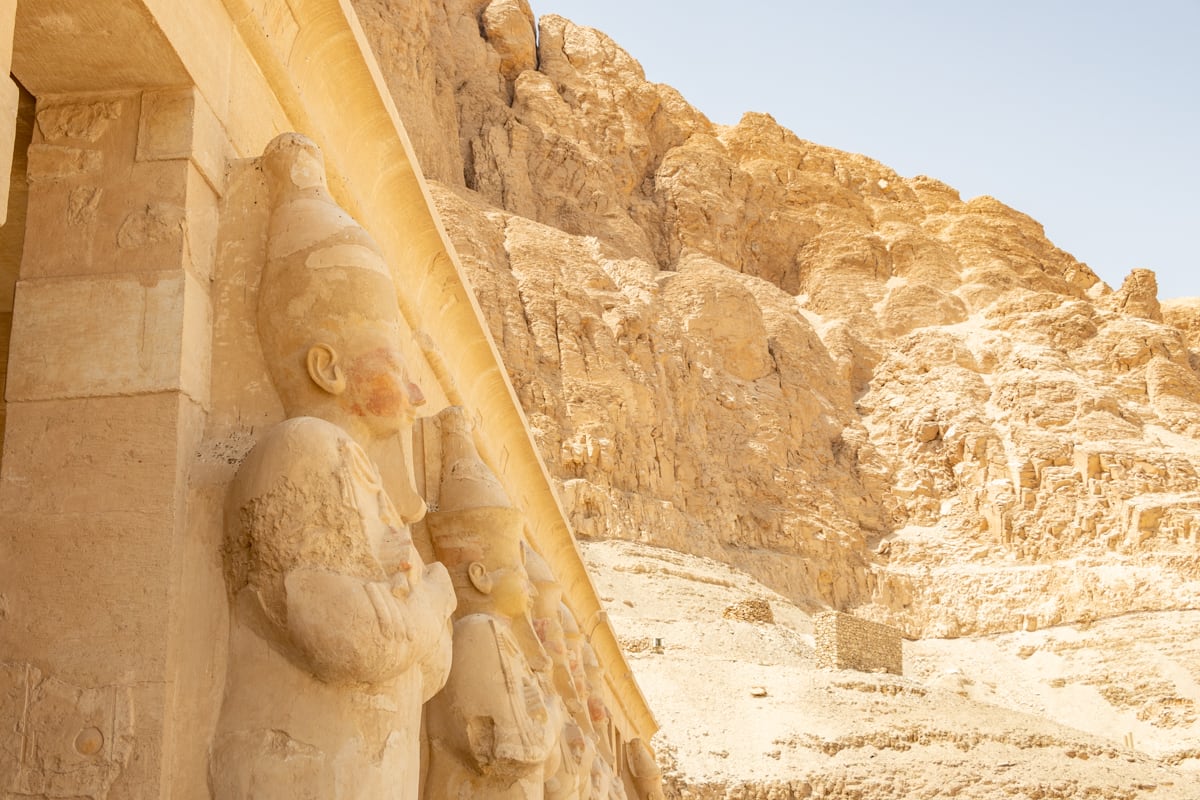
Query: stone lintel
{"x": 65, "y": 46}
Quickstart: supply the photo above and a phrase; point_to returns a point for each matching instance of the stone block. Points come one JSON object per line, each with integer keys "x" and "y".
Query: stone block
{"x": 5, "y": 332}
{"x": 8, "y": 23}
{"x": 52, "y": 162}
{"x": 201, "y": 226}
{"x": 88, "y": 592}
{"x": 179, "y": 124}
{"x": 80, "y": 119}
{"x": 10, "y": 98}
{"x": 99, "y": 455}
{"x": 113, "y": 335}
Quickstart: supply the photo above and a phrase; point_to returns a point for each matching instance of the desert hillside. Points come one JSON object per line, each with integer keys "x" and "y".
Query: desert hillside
{"x": 747, "y": 713}
{"x": 855, "y": 389}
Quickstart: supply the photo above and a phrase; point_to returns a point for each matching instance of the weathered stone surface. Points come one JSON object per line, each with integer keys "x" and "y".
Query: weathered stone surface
{"x": 844, "y": 641}
{"x": 150, "y": 644}
{"x": 859, "y": 387}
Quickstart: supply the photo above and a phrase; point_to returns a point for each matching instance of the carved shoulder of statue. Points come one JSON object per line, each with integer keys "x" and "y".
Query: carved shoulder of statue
{"x": 293, "y": 504}
{"x": 297, "y": 543}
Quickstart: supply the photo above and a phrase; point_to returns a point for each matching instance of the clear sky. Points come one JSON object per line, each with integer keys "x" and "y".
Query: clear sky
{"x": 1084, "y": 114}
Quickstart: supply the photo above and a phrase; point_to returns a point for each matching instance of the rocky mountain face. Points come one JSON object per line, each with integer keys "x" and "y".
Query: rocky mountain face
{"x": 736, "y": 343}
{"x": 859, "y": 388}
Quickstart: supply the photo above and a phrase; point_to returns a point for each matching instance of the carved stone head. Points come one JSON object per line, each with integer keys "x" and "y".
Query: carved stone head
{"x": 328, "y": 319}
{"x": 476, "y": 532}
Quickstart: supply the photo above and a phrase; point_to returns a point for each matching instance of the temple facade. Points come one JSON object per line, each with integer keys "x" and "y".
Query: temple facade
{"x": 166, "y": 493}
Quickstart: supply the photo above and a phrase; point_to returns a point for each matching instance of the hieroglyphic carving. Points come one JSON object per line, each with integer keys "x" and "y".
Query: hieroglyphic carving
{"x": 492, "y": 729}
{"x": 82, "y": 204}
{"x": 51, "y": 162}
{"x": 85, "y": 121}
{"x": 62, "y": 740}
{"x": 155, "y": 222}
{"x": 338, "y": 631}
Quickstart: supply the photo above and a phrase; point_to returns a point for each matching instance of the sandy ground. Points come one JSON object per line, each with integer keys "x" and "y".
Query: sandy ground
{"x": 1040, "y": 714}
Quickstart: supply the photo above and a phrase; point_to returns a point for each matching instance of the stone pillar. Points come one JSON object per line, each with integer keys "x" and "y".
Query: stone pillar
{"x": 106, "y": 651}
{"x": 9, "y": 100}
{"x": 12, "y": 236}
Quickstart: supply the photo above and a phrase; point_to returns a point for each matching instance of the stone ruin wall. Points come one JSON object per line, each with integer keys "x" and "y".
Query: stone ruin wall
{"x": 844, "y": 641}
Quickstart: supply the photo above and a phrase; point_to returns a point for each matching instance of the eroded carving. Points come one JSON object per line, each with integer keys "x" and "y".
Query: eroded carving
{"x": 647, "y": 775}
{"x": 49, "y": 162}
{"x": 82, "y": 204}
{"x": 156, "y": 222}
{"x": 64, "y": 740}
{"x": 492, "y": 729}
{"x": 86, "y": 121}
{"x": 339, "y": 632}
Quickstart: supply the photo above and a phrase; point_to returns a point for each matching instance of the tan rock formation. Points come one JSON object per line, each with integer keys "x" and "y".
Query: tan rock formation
{"x": 759, "y": 283}
{"x": 866, "y": 352}
{"x": 1138, "y": 296}
{"x": 860, "y": 388}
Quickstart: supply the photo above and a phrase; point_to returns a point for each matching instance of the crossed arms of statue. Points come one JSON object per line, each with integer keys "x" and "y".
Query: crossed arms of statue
{"x": 492, "y": 713}
{"x": 352, "y": 630}
{"x": 308, "y": 565}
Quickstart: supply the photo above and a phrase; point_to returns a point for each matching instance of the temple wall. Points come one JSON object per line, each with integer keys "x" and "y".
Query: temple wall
{"x": 135, "y": 384}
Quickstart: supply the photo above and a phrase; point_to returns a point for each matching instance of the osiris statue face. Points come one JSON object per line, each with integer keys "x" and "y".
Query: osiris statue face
{"x": 502, "y": 577}
{"x": 378, "y": 389}
{"x": 511, "y": 590}
{"x": 367, "y": 378}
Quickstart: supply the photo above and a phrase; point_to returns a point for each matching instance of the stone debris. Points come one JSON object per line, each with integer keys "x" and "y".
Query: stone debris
{"x": 752, "y": 610}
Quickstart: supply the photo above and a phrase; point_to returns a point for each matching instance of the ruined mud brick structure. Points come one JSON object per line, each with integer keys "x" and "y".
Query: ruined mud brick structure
{"x": 844, "y": 641}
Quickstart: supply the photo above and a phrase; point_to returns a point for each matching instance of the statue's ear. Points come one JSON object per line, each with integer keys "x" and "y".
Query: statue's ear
{"x": 479, "y": 576}
{"x": 323, "y": 368}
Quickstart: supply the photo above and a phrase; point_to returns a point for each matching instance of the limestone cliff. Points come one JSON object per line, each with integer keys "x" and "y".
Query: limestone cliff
{"x": 740, "y": 344}
{"x": 857, "y": 387}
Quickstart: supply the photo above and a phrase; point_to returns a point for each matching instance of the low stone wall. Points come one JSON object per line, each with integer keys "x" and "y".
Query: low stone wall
{"x": 753, "y": 610}
{"x": 847, "y": 642}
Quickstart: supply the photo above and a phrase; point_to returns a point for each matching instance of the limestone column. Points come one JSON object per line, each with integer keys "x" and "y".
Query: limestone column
{"x": 9, "y": 99}
{"x": 103, "y": 648}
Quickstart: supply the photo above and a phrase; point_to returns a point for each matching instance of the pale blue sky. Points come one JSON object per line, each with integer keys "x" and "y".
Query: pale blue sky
{"x": 1083, "y": 114}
